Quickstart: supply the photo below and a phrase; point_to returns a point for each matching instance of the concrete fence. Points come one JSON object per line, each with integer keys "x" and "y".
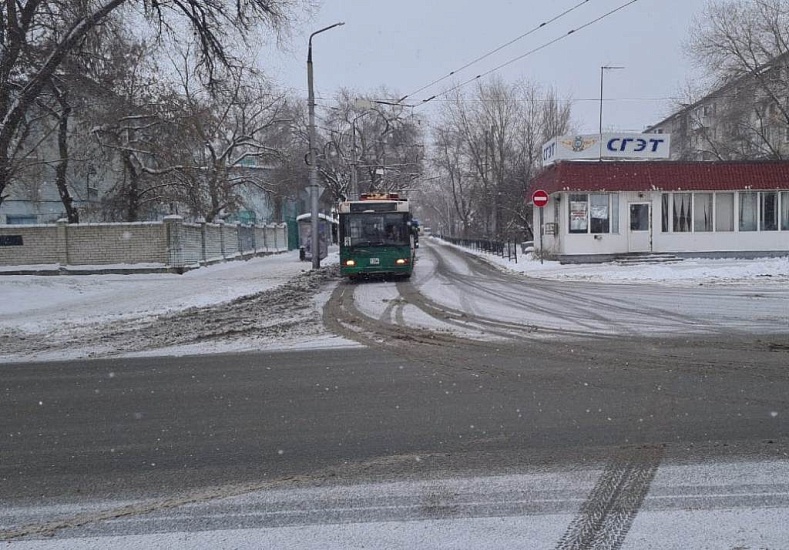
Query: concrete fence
{"x": 169, "y": 245}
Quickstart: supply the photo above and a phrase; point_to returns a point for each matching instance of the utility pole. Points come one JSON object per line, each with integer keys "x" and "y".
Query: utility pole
{"x": 602, "y": 72}
{"x": 315, "y": 247}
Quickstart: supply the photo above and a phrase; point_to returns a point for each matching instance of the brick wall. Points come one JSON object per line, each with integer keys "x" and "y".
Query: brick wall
{"x": 118, "y": 243}
{"x": 39, "y": 245}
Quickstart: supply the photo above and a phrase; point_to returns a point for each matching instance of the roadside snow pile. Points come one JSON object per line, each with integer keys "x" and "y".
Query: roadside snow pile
{"x": 693, "y": 271}
{"x": 94, "y": 316}
{"x": 690, "y": 271}
{"x": 701, "y": 271}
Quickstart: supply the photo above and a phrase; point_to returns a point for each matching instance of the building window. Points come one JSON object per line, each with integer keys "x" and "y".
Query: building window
{"x": 724, "y": 212}
{"x": 25, "y": 219}
{"x": 579, "y": 208}
{"x": 768, "y": 211}
{"x": 697, "y": 212}
{"x": 681, "y": 222}
{"x": 594, "y": 213}
{"x": 748, "y": 211}
{"x": 599, "y": 214}
{"x": 639, "y": 217}
{"x": 702, "y": 212}
{"x": 785, "y": 210}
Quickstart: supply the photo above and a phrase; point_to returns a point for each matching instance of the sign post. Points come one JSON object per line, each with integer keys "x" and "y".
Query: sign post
{"x": 540, "y": 198}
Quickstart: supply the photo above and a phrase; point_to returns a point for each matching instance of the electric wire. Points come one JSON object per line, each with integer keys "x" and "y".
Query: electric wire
{"x": 530, "y": 52}
{"x": 548, "y": 100}
{"x": 485, "y": 56}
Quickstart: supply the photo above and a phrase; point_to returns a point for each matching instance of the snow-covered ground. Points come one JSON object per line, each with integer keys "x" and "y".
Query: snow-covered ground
{"x": 692, "y": 271}
{"x": 263, "y": 303}
{"x": 38, "y": 302}
{"x": 66, "y": 307}
{"x": 687, "y": 506}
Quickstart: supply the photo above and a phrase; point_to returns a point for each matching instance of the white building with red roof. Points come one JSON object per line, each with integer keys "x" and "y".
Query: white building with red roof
{"x": 598, "y": 210}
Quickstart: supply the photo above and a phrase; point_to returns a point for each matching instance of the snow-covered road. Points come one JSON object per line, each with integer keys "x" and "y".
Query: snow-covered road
{"x": 707, "y": 507}
{"x": 69, "y": 316}
{"x": 675, "y": 495}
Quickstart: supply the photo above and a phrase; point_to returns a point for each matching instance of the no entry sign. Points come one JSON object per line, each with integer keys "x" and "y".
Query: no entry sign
{"x": 539, "y": 198}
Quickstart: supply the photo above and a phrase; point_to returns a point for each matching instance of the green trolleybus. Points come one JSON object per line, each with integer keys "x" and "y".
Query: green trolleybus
{"x": 376, "y": 236}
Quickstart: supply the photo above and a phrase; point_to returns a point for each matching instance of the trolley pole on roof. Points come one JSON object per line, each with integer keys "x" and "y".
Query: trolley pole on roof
{"x": 367, "y": 106}
{"x": 315, "y": 246}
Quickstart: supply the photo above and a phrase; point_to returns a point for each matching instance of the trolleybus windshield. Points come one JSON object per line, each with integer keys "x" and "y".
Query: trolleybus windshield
{"x": 375, "y": 229}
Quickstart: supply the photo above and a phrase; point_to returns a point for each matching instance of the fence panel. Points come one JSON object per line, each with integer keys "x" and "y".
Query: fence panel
{"x": 506, "y": 249}
{"x": 168, "y": 244}
{"x": 246, "y": 238}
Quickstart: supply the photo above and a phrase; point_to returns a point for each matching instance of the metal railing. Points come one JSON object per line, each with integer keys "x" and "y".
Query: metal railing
{"x": 506, "y": 249}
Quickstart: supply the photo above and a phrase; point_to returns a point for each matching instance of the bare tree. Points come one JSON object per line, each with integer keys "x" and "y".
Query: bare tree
{"x": 489, "y": 144}
{"x": 61, "y": 170}
{"x": 743, "y": 47}
{"x": 71, "y": 98}
{"x": 36, "y": 36}
{"x": 456, "y": 176}
{"x": 543, "y": 116}
{"x": 227, "y": 140}
{"x": 291, "y": 172}
{"x": 381, "y": 141}
{"x": 134, "y": 123}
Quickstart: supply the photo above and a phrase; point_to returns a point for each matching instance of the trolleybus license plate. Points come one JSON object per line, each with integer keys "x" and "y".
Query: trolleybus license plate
{"x": 374, "y": 261}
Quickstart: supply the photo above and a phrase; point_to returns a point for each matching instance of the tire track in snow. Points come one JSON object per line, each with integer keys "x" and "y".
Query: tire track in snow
{"x": 608, "y": 513}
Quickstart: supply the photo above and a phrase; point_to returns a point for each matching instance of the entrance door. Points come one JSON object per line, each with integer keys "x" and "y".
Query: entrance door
{"x": 640, "y": 234}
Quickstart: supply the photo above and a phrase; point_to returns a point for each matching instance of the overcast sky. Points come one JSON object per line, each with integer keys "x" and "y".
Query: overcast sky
{"x": 406, "y": 44}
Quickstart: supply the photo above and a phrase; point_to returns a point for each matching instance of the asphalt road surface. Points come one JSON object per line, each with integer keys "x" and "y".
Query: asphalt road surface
{"x": 483, "y": 410}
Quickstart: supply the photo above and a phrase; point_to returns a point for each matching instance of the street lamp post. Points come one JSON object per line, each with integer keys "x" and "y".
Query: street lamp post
{"x": 315, "y": 246}
{"x": 602, "y": 72}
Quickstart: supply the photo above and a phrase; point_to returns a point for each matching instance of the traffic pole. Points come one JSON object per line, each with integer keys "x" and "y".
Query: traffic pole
{"x": 540, "y": 199}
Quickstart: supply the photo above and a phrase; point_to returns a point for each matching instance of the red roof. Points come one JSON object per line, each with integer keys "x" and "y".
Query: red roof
{"x": 662, "y": 176}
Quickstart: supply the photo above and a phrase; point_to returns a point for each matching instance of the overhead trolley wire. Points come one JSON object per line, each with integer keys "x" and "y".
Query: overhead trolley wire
{"x": 530, "y": 52}
{"x": 548, "y": 99}
{"x": 485, "y": 56}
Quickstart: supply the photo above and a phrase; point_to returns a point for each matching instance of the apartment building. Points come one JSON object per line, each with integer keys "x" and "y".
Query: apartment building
{"x": 746, "y": 118}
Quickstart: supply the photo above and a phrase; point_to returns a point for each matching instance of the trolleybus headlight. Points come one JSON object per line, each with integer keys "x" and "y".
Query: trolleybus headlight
{"x": 350, "y": 263}
{"x": 401, "y": 261}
